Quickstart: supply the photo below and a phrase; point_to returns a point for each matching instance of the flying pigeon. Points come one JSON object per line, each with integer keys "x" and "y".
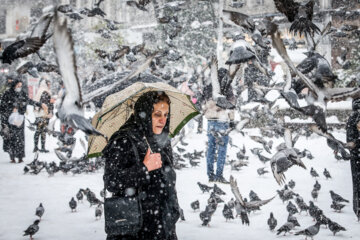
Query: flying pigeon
{"x": 70, "y": 110}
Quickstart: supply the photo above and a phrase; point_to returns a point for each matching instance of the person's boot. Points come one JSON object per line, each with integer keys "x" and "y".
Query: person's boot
{"x": 43, "y": 150}
{"x": 20, "y": 160}
{"x": 12, "y": 158}
{"x": 35, "y": 149}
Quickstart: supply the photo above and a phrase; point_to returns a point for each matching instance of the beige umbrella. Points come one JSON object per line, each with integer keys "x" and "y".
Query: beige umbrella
{"x": 118, "y": 107}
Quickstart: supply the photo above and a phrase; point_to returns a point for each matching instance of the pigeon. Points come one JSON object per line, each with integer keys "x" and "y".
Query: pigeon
{"x": 287, "y": 227}
{"x": 314, "y": 211}
{"x": 206, "y": 215}
{"x": 337, "y": 206}
{"x": 300, "y": 14}
{"x": 195, "y": 205}
{"x": 317, "y": 186}
{"x": 310, "y": 231}
{"x": 248, "y": 206}
{"x": 301, "y": 204}
{"x": 262, "y": 158}
{"x": 218, "y": 190}
{"x": 319, "y": 67}
{"x": 314, "y": 194}
{"x": 313, "y": 173}
{"x": 293, "y": 219}
{"x": 291, "y": 184}
{"x": 253, "y": 196}
{"x": 204, "y": 187}
{"x": 72, "y": 204}
{"x": 337, "y": 198}
{"x": 231, "y": 203}
{"x": 327, "y": 174}
{"x": 70, "y": 111}
{"x": 322, "y": 219}
{"x": 335, "y": 227}
{"x": 291, "y": 208}
{"x": 261, "y": 171}
{"x": 282, "y": 161}
{"x": 98, "y": 211}
{"x": 227, "y": 212}
{"x": 272, "y": 222}
{"x": 32, "y": 229}
{"x": 29, "y": 45}
{"x": 216, "y": 197}
{"x": 40, "y": 211}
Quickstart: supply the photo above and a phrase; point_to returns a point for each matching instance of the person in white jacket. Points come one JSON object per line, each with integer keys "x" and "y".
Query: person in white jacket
{"x": 220, "y": 120}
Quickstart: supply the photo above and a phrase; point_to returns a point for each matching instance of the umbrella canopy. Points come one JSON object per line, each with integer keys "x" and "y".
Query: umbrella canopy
{"x": 118, "y": 107}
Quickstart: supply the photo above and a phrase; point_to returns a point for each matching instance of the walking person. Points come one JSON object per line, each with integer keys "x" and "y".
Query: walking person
{"x": 15, "y": 100}
{"x": 43, "y": 96}
{"x": 353, "y": 141}
{"x": 139, "y": 161}
{"x": 220, "y": 120}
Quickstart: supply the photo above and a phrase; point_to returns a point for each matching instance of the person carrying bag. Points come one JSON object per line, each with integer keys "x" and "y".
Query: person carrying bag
{"x": 144, "y": 176}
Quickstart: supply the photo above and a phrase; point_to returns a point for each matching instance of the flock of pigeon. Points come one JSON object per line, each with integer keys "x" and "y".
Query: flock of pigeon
{"x": 313, "y": 73}
{"x": 90, "y": 197}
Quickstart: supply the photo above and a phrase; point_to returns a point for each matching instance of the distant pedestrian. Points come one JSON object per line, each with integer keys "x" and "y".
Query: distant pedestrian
{"x": 14, "y": 101}
{"x": 220, "y": 120}
{"x": 43, "y": 96}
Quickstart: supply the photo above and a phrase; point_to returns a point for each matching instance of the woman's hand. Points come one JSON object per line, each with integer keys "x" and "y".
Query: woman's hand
{"x": 152, "y": 161}
{"x": 45, "y": 107}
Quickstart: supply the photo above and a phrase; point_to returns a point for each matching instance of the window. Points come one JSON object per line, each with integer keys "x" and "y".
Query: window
{"x": 2, "y": 21}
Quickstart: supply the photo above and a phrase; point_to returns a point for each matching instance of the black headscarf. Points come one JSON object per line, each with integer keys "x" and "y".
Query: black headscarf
{"x": 141, "y": 120}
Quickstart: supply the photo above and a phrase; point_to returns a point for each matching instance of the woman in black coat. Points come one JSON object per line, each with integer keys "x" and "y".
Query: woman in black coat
{"x": 152, "y": 174}
{"x": 14, "y": 98}
{"x": 353, "y": 140}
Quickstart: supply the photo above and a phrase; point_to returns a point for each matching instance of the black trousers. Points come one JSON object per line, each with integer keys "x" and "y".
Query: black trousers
{"x": 41, "y": 124}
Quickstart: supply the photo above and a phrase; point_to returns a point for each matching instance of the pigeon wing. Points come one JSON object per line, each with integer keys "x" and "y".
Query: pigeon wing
{"x": 235, "y": 191}
{"x": 65, "y": 58}
{"x": 280, "y": 47}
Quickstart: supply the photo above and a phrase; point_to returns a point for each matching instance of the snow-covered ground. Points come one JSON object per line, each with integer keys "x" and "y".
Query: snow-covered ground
{"x": 20, "y": 195}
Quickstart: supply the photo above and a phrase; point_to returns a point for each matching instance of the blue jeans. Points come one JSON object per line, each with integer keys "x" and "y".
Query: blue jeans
{"x": 215, "y": 128}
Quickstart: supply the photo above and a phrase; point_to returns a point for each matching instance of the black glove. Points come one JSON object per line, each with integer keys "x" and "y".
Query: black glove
{"x": 232, "y": 124}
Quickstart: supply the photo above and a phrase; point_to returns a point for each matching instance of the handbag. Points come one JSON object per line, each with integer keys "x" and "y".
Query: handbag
{"x": 123, "y": 214}
{"x": 16, "y": 119}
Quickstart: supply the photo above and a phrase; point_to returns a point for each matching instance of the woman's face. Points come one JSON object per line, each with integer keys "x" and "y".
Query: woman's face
{"x": 18, "y": 85}
{"x": 159, "y": 116}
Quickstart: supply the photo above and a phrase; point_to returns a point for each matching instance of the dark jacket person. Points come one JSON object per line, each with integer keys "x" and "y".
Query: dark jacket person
{"x": 15, "y": 98}
{"x": 353, "y": 140}
{"x": 152, "y": 174}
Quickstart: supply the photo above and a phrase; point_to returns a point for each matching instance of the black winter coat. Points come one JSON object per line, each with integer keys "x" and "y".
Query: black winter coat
{"x": 124, "y": 174}
{"x": 352, "y": 135}
{"x": 15, "y": 143}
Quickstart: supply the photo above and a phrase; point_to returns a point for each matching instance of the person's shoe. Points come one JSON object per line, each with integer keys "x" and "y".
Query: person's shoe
{"x": 212, "y": 178}
{"x": 221, "y": 179}
{"x": 12, "y": 161}
{"x": 35, "y": 149}
{"x": 43, "y": 150}
{"x": 20, "y": 160}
